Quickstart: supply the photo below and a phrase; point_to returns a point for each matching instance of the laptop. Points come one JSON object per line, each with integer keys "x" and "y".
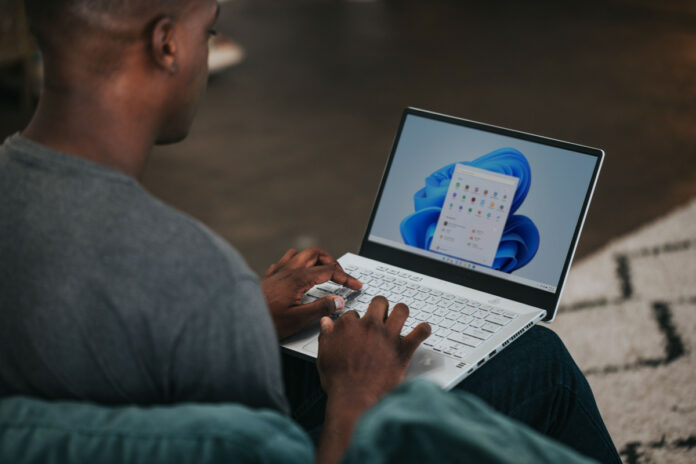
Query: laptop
{"x": 474, "y": 228}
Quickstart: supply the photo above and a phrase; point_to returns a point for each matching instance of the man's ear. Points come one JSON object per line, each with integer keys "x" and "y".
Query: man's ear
{"x": 163, "y": 46}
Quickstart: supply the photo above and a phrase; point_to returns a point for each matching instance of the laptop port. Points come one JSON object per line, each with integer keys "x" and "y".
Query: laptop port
{"x": 481, "y": 362}
{"x": 492, "y": 353}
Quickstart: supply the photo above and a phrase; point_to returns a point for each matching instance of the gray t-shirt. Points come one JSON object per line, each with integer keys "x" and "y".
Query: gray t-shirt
{"x": 109, "y": 295}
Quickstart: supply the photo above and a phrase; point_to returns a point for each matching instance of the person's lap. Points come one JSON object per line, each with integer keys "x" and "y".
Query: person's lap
{"x": 534, "y": 381}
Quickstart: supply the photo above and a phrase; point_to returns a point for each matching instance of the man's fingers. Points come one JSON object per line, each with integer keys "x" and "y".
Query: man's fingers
{"x": 320, "y": 274}
{"x": 310, "y": 312}
{"x": 397, "y": 317}
{"x": 286, "y": 257}
{"x": 306, "y": 258}
{"x": 377, "y": 310}
{"x": 411, "y": 341}
{"x": 326, "y": 326}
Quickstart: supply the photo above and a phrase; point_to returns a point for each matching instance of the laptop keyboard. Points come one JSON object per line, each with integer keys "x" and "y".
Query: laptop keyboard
{"x": 458, "y": 324}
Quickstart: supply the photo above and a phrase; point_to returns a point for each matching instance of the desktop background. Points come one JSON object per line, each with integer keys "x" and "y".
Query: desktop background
{"x": 559, "y": 180}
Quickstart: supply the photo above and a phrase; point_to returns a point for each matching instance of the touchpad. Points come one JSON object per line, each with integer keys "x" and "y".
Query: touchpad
{"x": 424, "y": 361}
{"x": 312, "y": 347}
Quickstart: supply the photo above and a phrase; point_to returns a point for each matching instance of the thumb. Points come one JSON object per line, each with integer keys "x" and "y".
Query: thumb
{"x": 326, "y": 326}
{"x": 322, "y": 307}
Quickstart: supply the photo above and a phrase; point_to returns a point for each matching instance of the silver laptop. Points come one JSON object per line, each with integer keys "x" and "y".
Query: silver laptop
{"x": 474, "y": 228}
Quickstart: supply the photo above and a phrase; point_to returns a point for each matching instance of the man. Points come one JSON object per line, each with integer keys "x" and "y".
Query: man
{"x": 106, "y": 294}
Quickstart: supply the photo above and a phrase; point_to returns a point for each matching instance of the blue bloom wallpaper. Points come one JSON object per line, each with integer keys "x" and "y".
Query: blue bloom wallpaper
{"x": 520, "y": 239}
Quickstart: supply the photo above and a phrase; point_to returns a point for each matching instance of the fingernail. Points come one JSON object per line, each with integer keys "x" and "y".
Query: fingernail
{"x": 339, "y": 304}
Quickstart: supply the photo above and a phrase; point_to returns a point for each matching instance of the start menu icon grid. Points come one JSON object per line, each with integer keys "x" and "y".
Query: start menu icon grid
{"x": 474, "y": 214}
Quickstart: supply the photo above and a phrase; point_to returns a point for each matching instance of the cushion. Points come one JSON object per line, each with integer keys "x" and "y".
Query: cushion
{"x": 35, "y": 431}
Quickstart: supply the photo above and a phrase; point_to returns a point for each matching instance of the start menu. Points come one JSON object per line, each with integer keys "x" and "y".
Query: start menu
{"x": 474, "y": 214}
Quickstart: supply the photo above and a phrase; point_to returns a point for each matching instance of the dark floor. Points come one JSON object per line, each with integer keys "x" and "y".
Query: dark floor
{"x": 289, "y": 147}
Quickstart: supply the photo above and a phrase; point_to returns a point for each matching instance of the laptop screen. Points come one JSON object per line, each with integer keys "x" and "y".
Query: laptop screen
{"x": 489, "y": 201}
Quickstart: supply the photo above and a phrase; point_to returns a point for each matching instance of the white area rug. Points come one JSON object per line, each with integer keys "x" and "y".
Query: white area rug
{"x": 628, "y": 317}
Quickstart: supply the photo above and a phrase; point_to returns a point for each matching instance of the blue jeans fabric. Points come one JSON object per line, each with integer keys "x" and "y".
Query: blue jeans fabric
{"x": 534, "y": 381}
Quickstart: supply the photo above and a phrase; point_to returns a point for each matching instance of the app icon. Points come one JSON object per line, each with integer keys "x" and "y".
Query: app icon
{"x": 473, "y": 199}
{"x": 451, "y": 205}
{"x": 446, "y": 223}
{"x": 460, "y": 207}
{"x": 492, "y": 204}
{"x": 502, "y": 207}
{"x": 466, "y": 187}
{"x": 479, "y": 212}
{"x": 458, "y": 184}
{"x": 475, "y": 189}
{"x": 463, "y": 197}
{"x": 495, "y": 194}
{"x": 483, "y": 202}
{"x": 454, "y": 195}
{"x": 485, "y": 192}
{"x": 489, "y": 214}
{"x": 469, "y": 209}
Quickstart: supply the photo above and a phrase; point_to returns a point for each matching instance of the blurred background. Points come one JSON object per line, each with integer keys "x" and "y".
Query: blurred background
{"x": 289, "y": 145}
{"x": 292, "y": 136}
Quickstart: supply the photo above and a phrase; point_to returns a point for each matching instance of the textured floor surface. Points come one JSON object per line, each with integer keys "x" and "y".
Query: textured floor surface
{"x": 628, "y": 316}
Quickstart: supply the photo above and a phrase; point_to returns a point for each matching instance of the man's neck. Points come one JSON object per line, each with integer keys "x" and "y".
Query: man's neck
{"x": 88, "y": 125}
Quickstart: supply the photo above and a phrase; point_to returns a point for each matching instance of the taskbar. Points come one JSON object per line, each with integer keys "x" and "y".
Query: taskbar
{"x": 463, "y": 264}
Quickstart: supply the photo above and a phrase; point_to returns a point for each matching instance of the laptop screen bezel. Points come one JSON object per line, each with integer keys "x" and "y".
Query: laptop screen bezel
{"x": 483, "y": 282}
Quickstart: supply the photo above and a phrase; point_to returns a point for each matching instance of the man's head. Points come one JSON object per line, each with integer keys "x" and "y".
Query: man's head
{"x": 152, "y": 53}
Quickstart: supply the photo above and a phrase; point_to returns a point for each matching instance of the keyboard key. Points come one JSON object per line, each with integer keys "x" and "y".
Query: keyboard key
{"x": 464, "y": 319}
{"x": 480, "y": 314}
{"x": 496, "y": 319}
{"x": 461, "y": 301}
{"x": 433, "y": 300}
{"x": 447, "y": 296}
{"x": 493, "y": 328}
{"x": 508, "y": 314}
{"x": 465, "y": 339}
{"x": 459, "y": 327}
{"x": 478, "y": 333}
{"x": 468, "y": 310}
{"x": 443, "y": 304}
{"x": 436, "y": 293}
{"x": 477, "y": 323}
{"x": 428, "y": 308}
{"x": 434, "y": 320}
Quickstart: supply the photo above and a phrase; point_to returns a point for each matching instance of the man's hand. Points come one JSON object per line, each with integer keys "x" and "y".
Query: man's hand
{"x": 286, "y": 281}
{"x": 359, "y": 361}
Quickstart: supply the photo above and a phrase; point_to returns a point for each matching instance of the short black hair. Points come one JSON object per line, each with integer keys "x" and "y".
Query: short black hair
{"x": 104, "y": 16}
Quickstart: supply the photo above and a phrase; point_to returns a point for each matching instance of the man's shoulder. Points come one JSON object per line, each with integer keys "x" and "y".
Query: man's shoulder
{"x": 176, "y": 240}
